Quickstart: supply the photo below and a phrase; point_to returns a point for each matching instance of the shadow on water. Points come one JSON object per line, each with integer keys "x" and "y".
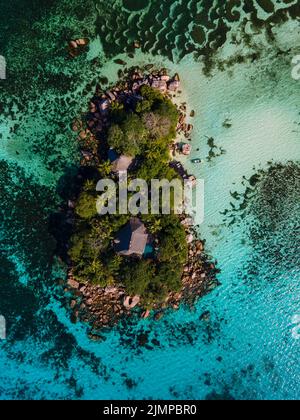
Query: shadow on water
{"x": 61, "y": 222}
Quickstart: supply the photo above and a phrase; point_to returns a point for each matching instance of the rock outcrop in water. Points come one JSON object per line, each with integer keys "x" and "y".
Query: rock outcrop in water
{"x": 103, "y": 306}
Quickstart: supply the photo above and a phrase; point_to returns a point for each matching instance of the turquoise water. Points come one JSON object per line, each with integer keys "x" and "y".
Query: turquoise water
{"x": 246, "y": 348}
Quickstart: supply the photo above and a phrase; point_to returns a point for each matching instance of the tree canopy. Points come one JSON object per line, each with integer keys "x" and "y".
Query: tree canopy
{"x": 145, "y": 132}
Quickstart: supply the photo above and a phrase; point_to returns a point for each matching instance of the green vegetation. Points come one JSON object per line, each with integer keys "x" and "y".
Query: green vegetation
{"x": 146, "y": 133}
{"x": 129, "y": 137}
{"x": 86, "y": 205}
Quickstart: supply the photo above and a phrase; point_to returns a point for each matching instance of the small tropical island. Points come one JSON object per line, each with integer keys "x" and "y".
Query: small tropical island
{"x": 124, "y": 264}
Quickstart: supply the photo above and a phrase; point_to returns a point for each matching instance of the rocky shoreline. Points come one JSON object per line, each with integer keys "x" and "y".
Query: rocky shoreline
{"x": 127, "y": 90}
{"x": 104, "y": 307}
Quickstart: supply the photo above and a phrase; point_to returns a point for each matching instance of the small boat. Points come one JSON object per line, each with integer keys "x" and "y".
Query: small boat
{"x": 196, "y": 161}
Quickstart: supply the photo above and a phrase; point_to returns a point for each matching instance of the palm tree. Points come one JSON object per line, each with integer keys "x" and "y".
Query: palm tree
{"x": 155, "y": 227}
{"x": 105, "y": 168}
{"x": 89, "y": 185}
{"x": 96, "y": 266}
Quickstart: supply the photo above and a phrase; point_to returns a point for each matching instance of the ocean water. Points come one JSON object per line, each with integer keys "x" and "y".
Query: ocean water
{"x": 246, "y": 101}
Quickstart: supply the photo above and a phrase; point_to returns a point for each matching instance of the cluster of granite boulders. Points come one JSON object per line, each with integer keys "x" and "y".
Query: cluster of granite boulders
{"x": 183, "y": 129}
{"x": 99, "y": 307}
{"x": 182, "y": 126}
{"x": 77, "y": 46}
{"x": 104, "y": 307}
{"x": 126, "y": 91}
{"x": 164, "y": 83}
{"x": 182, "y": 172}
{"x": 199, "y": 274}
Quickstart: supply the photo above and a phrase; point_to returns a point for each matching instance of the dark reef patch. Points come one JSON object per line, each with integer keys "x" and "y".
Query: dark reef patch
{"x": 135, "y": 5}
{"x": 270, "y": 204}
{"x": 26, "y": 224}
{"x": 137, "y": 337}
{"x": 164, "y": 27}
{"x": 18, "y": 304}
